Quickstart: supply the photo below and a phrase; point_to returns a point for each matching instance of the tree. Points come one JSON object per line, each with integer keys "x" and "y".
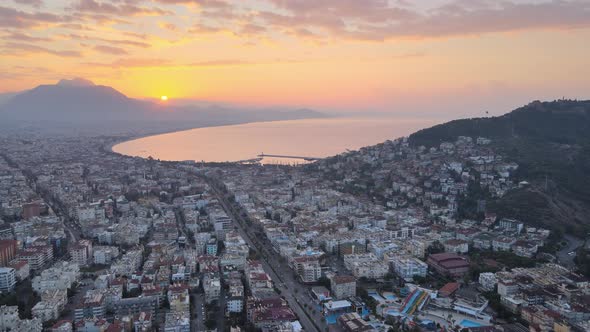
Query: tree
{"x": 324, "y": 281}
{"x": 435, "y": 248}
{"x": 210, "y": 324}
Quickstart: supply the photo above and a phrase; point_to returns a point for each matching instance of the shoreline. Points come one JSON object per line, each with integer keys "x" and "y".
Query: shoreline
{"x": 397, "y": 127}
{"x": 132, "y": 137}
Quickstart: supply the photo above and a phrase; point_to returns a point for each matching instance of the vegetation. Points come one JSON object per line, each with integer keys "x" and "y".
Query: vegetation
{"x": 496, "y": 304}
{"x": 503, "y": 258}
{"x": 551, "y": 143}
{"x": 582, "y": 260}
{"x": 23, "y": 297}
{"x": 324, "y": 281}
{"x": 435, "y": 248}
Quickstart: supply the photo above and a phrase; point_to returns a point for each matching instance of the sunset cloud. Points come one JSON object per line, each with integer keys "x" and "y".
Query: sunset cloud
{"x": 131, "y": 63}
{"x": 124, "y": 9}
{"x": 13, "y": 18}
{"x": 377, "y": 20}
{"x": 20, "y": 49}
{"x": 110, "y": 50}
{"x": 34, "y": 3}
{"x": 317, "y": 51}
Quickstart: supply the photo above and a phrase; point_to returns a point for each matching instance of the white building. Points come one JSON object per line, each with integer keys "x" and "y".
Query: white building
{"x": 81, "y": 252}
{"x": 408, "y": 267}
{"x": 343, "y": 286}
{"x": 502, "y": 243}
{"x": 366, "y": 265}
{"x": 9, "y": 321}
{"x": 61, "y": 276}
{"x": 177, "y": 322}
{"x": 488, "y": 281}
{"x": 105, "y": 255}
{"x": 7, "y": 279}
{"x": 307, "y": 268}
{"x": 212, "y": 288}
{"x": 52, "y": 303}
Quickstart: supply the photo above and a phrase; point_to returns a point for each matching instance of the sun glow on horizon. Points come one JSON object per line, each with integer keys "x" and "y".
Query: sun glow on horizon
{"x": 164, "y": 98}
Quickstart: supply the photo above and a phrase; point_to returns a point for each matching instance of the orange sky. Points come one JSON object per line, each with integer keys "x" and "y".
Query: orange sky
{"x": 371, "y": 55}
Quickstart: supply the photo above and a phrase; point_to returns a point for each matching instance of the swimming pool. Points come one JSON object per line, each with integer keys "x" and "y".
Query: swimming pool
{"x": 469, "y": 323}
{"x": 376, "y": 296}
{"x": 392, "y": 312}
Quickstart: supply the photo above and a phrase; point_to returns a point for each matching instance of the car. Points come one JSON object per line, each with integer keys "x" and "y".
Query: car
{"x": 571, "y": 253}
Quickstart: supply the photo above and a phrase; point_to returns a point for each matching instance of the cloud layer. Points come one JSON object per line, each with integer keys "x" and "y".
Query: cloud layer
{"x": 119, "y": 38}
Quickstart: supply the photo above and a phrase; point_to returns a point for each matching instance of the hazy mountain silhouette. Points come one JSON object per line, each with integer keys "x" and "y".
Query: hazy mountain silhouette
{"x": 81, "y": 102}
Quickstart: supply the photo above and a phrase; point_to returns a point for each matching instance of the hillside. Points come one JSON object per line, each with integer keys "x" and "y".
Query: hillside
{"x": 551, "y": 143}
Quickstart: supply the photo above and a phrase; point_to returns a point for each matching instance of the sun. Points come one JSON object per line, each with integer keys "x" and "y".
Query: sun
{"x": 164, "y": 98}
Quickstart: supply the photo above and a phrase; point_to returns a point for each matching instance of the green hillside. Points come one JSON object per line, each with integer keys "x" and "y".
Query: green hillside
{"x": 551, "y": 143}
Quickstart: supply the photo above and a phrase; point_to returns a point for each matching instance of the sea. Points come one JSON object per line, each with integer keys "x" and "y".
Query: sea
{"x": 300, "y": 140}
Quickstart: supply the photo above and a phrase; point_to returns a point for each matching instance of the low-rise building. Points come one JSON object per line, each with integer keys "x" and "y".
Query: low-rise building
{"x": 488, "y": 281}
{"x": 177, "y": 322}
{"x": 449, "y": 264}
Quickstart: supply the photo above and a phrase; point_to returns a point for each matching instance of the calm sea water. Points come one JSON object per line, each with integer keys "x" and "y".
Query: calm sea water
{"x": 304, "y": 138}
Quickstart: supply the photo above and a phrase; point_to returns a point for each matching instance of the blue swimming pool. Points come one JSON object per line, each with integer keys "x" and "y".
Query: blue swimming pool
{"x": 377, "y": 297}
{"x": 469, "y": 323}
{"x": 392, "y": 312}
{"x": 331, "y": 319}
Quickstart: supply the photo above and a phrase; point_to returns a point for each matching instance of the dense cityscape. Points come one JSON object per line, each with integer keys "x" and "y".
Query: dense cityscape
{"x": 380, "y": 239}
{"x": 294, "y": 166}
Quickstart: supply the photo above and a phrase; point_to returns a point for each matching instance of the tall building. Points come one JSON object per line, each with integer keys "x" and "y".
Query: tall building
{"x": 343, "y": 286}
{"x": 7, "y": 251}
{"x": 7, "y": 279}
{"x": 81, "y": 253}
{"x": 408, "y": 267}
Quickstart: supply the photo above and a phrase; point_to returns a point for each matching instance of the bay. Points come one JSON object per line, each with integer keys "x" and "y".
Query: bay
{"x": 315, "y": 138}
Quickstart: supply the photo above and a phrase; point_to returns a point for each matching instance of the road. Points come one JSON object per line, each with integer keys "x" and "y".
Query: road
{"x": 198, "y": 312}
{"x": 71, "y": 227}
{"x": 290, "y": 289}
{"x": 564, "y": 257}
{"x": 80, "y": 291}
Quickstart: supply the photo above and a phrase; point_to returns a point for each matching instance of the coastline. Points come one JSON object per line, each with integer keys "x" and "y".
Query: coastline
{"x": 317, "y": 137}
{"x": 133, "y": 137}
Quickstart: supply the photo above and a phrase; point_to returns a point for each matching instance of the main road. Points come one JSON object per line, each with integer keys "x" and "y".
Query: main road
{"x": 280, "y": 282}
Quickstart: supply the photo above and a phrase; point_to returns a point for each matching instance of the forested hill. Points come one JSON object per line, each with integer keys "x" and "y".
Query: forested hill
{"x": 551, "y": 143}
{"x": 563, "y": 122}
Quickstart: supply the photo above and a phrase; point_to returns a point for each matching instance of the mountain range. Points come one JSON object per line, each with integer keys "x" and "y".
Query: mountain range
{"x": 81, "y": 103}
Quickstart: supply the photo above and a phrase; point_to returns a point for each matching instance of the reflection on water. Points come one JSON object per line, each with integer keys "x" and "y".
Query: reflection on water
{"x": 305, "y": 138}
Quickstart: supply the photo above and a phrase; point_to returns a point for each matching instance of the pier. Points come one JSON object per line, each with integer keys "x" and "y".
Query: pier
{"x": 262, "y": 155}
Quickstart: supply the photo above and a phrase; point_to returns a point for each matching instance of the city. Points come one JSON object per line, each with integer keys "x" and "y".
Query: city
{"x": 294, "y": 166}
{"x": 97, "y": 241}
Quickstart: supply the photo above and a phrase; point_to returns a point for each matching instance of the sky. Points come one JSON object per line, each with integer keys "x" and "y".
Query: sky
{"x": 446, "y": 58}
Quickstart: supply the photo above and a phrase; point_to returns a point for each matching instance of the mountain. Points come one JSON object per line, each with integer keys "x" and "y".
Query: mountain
{"x": 73, "y": 102}
{"x": 5, "y": 97}
{"x": 551, "y": 143}
{"x": 80, "y": 103}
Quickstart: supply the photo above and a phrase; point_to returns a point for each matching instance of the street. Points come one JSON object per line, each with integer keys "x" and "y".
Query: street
{"x": 295, "y": 294}
{"x": 198, "y": 312}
